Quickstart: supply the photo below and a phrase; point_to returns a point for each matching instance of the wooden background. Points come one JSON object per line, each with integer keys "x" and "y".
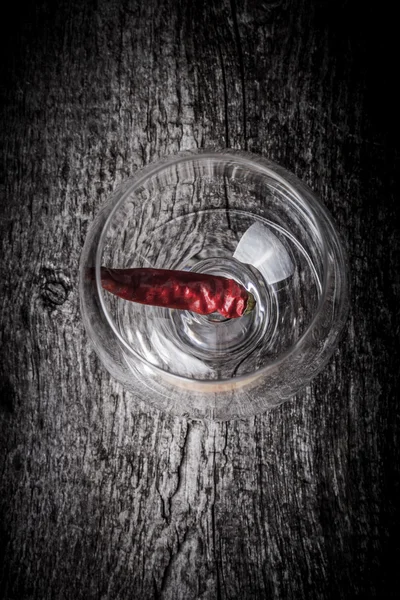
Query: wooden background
{"x": 102, "y": 497}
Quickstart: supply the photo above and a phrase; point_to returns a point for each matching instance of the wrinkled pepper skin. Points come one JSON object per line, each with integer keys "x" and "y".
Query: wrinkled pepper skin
{"x": 183, "y": 290}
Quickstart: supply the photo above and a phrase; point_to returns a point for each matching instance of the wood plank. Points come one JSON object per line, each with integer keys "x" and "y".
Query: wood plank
{"x": 104, "y": 497}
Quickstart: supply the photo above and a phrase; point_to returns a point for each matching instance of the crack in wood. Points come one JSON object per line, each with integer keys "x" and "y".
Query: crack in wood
{"x": 241, "y": 67}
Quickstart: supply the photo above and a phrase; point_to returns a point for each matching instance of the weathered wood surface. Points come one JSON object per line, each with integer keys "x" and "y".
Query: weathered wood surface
{"x": 100, "y": 496}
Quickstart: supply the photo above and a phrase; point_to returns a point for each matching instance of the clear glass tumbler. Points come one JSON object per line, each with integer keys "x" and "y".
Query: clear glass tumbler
{"x": 226, "y": 213}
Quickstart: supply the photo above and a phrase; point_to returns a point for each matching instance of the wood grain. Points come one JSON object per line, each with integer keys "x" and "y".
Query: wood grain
{"x": 104, "y": 498}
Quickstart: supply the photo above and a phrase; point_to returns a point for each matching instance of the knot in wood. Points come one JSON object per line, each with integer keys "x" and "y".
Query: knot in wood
{"x": 55, "y": 288}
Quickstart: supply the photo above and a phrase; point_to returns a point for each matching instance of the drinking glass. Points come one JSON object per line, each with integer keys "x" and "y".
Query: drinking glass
{"x": 226, "y": 213}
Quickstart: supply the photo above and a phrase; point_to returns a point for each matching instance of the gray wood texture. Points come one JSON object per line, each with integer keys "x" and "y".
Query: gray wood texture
{"x": 102, "y": 497}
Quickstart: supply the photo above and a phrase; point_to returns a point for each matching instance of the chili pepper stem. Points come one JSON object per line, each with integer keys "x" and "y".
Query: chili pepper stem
{"x": 251, "y": 302}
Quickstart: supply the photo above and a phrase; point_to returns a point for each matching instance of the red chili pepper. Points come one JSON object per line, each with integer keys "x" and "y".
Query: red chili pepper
{"x": 184, "y": 290}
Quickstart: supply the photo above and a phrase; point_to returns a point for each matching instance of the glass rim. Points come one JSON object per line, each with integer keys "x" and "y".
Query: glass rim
{"x": 268, "y": 168}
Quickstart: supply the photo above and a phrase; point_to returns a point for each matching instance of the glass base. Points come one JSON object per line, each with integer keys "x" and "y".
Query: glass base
{"x": 221, "y": 342}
